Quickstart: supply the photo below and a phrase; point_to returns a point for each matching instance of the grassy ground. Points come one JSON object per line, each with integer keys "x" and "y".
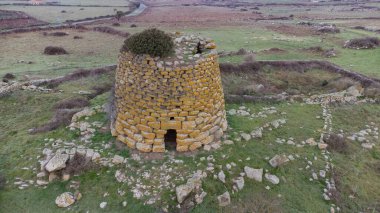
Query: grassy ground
{"x": 53, "y": 14}
{"x": 94, "y": 50}
{"x": 98, "y": 49}
{"x": 258, "y": 39}
{"x": 296, "y": 193}
{"x": 358, "y": 180}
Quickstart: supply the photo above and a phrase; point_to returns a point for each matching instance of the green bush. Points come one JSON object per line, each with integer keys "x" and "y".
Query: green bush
{"x": 152, "y": 41}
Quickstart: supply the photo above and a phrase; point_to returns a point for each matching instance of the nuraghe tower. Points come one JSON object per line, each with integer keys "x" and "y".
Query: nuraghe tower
{"x": 175, "y": 102}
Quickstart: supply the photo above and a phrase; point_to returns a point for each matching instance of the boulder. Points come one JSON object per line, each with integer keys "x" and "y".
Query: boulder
{"x": 117, "y": 159}
{"x": 257, "y": 133}
{"x": 222, "y": 176}
{"x": 255, "y": 174}
{"x": 322, "y": 145}
{"x": 272, "y": 178}
{"x": 245, "y": 136}
{"x": 65, "y": 199}
{"x": 210, "y": 45}
{"x": 311, "y": 142}
{"x": 367, "y": 145}
{"x": 103, "y": 205}
{"x": 228, "y": 142}
{"x": 224, "y": 199}
{"x": 193, "y": 184}
{"x": 278, "y": 160}
{"x": 42, "y": 182}
{"x": 57, "y": 162}
{"x": 239, "y": 183}
{"x": 183, "y": 191}
{"x": 354, "y": 91}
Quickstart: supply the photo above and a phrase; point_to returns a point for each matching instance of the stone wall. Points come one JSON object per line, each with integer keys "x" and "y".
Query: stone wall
{"x": 153, "y": 97}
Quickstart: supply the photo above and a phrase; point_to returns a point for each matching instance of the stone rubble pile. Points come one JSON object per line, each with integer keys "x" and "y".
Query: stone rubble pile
{"x": 352, "y": 95}
{"x": 368, "y": 137}
{"x": 192, "y": 190}
{"x": 35, "y": 88}
{"x": 244, "y": 111}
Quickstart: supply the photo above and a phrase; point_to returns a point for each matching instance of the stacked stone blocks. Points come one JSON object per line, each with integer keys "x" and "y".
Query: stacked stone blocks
{"x": 152, "y": 98}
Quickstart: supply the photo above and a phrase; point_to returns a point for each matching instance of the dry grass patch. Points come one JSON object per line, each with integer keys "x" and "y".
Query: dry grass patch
{"x": 337, "y": 143}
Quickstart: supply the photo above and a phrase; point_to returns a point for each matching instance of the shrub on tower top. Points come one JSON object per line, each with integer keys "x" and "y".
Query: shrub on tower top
{"x": 153, "y": 42}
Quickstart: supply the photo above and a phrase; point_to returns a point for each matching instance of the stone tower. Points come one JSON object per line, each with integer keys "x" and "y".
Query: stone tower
{"x": 176, "y": 102}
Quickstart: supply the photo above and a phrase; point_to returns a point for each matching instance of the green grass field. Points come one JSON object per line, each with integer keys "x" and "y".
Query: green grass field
{"x": 295, "y": 193}
{"x": 357, "y": 171}
{"x": 94, "y": 50}
{"x": 53, "y": 14}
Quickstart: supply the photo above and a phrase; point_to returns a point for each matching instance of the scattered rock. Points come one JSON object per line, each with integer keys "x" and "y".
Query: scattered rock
{"x": 42, "y": 182}
{"x": 224, "y": 199}
{"x": 193, "y": 184}
{"x": 222, "y": 176}
{"x": 183, "y": 191}
{"x": 65, "y": 199}
{"x": 256, "y": 174}
{"x": 278, "y": 160}
{"x": 311, "y": 142}
{"x": 322, "y": 145}
{"x": 367, "y": 145}
{"x": 117, "y": 159}
{"x": 228, "y": 142}
{"x": 57, "y": 162}
{"x": 103, "y": 205}
{"x": 245, "y": 136}
{"x": 65, "y": 177}
{"x": 272, "y": 178}
{"x": 239, "y": 183}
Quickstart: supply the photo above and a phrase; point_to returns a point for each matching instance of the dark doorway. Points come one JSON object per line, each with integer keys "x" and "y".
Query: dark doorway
{"x": 171, "y": 140}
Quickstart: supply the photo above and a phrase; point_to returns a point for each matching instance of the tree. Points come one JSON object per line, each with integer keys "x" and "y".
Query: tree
{"x": 119, "y": 14}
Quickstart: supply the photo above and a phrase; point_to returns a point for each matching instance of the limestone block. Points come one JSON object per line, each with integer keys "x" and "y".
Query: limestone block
{"x": 189, "y": 125}
{"x": 182, "y": 148}
{"x": 130, "y": 142}
{"x": 144, "y": 147}
{"x": 154, "y": 125}
{"x": 158, "y": 141}
{"x": 208, "y": 139}
{"x": 159, "y": 148}
{"x": 148, "y": 135}
{"x": 214, "y": 129}
{"x": 186, "y": 141}
{"x": 195, "y": 146}
{"x": 149, "y": 141}
{"x": 171, "y": 125}
{"x": 202, "y": 136}
{"x": 182, "y": 136}
{"x": 138, "y": 137}
{"x": 195, "y": 133}
{"x": 121, "y": 138}
{"x": 206, "y": 128}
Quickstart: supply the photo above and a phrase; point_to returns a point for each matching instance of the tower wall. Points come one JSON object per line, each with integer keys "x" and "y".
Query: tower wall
{"x": 152, "y": 98}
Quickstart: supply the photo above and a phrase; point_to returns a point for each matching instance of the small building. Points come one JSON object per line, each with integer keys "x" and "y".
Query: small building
{"x": 170, "y": 103}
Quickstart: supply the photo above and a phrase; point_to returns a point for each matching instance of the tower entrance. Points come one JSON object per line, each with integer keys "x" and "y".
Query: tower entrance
{"x": 171, "y": 140}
